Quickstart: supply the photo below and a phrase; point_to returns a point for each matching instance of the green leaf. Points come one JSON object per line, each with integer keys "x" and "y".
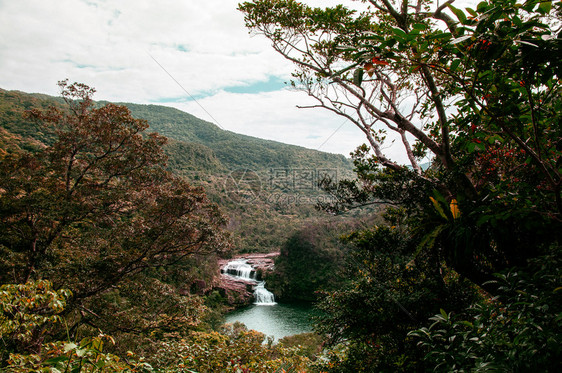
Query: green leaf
{"x": 420, "y": 26}
{"x": 438, "y": 207}
{"x": 438, "y": 196}
{"x": 97, "y": 345}
{"x": 482, "y": 6}
{"x": 413, "y": 33}
{"x": 54, "y": 360}
{"x": 100, "y": 364}
{"x": 545, "y": 6}
{"x": 428, "y": 240}
{"x": 400, "y": 33}
{"x": 472, "y": 12}
{"x": 459, "y": 13}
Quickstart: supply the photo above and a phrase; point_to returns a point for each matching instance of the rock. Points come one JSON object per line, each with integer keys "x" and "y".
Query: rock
{"x": 263, "y": 262}
{"x": 239, "y": 292}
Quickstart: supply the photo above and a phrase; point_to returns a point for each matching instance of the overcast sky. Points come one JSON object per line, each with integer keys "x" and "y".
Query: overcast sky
{"x": 139, "y": 50}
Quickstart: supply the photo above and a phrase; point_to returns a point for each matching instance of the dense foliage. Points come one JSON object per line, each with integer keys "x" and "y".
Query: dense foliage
{"x": 26, "y": 310}
{"x": 478, "y": 93}
{"x": 33, "y": 306}
{"x": 233, "y": 150}
{"x": 105, "y": 251}
{"x": 389, "y": 295}
{"x": 97, "y": 213}
{"x": 462, "y": 275}
{"x": 211, "y": 157}
{"x": 207, "y": 155}
{"x": 518, "y": 330}
{"x": 312, "y": 259}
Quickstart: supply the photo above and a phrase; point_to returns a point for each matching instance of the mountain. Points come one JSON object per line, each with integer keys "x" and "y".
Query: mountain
{"x": 194, "y": 141}
{"x": 267, "y": 188}
{"x": 233, "y": 150}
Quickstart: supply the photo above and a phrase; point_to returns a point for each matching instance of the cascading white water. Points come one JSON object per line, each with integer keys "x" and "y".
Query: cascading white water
{"x": 241, "y": 269}
{"x": 263, "y": 296}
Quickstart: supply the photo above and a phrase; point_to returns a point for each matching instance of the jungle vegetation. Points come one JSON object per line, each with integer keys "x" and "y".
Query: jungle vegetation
{"x": 452, "y": 267}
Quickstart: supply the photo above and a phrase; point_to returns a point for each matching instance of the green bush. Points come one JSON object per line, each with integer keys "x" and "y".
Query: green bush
{"x": 27, "y": 312}
{"x": 392, "y": 292}
{"x": 519, "y": 330}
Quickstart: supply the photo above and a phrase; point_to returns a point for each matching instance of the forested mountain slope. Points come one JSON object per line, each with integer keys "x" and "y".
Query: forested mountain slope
{"x": 188, "y": 133}
{"x": 232, "y": 149}
{"x": 281, "y": 181}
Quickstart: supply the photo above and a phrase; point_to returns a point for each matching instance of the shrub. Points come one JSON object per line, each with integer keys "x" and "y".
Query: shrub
{"x": 233, "y": 349}
{"x": 519, "y": 330}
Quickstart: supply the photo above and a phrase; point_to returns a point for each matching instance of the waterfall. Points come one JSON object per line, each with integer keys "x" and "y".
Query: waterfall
{"x": 263, "y": 296}
{"x": 241, "y": 269}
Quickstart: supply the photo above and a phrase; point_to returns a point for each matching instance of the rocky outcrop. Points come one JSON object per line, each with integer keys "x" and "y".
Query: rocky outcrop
{"x": 239, "y": 292}
{"x": 236, "y": 291}
{"x": 262, "y": 262}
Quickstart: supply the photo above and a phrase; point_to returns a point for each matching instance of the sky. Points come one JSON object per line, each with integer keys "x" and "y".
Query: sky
{"x": 195, "y": 55}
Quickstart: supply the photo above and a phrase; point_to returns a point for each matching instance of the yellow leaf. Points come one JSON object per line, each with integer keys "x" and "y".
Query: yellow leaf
{"x": 438, "y": 207}
{"x": 455, "y": 209}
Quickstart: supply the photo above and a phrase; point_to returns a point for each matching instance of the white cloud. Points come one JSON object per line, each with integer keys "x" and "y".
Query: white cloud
{"x": 203, "y": 45}
{"x": 275, "y": 116}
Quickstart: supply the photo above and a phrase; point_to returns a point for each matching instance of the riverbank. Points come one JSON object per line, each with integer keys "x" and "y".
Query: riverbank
{"x": 276, "y": 321}
{"x": 237, "y": 284}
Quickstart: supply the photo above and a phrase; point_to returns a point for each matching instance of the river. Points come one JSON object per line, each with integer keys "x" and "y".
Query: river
{"x": 274, "y": 319}
{"x": 279, "y": 320}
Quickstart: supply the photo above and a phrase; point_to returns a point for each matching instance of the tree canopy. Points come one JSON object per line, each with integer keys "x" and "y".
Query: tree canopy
{"x": 97, "y": 213}
{"x": 477, "y": 92}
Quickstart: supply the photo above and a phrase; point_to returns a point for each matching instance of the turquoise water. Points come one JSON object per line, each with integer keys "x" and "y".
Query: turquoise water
{"x": 279, "y": 320}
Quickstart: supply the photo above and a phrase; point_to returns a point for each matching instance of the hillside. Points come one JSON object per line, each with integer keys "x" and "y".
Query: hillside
{"x": 265, "y": 204}
{"x": 232, "y": 149}
{"x": 191, "y": 135}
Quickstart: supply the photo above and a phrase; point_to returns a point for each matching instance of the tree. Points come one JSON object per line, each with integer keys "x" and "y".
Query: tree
{"x": 477, "y": 91}
{"x": 97, "y": 210}
{"x": 310, "y": 260}
{"x": 388, "y": 295}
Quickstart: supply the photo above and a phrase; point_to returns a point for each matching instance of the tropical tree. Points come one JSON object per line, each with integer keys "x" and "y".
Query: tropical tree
{"x": 96, "y": 212}
{"x": 477, "y": 92}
